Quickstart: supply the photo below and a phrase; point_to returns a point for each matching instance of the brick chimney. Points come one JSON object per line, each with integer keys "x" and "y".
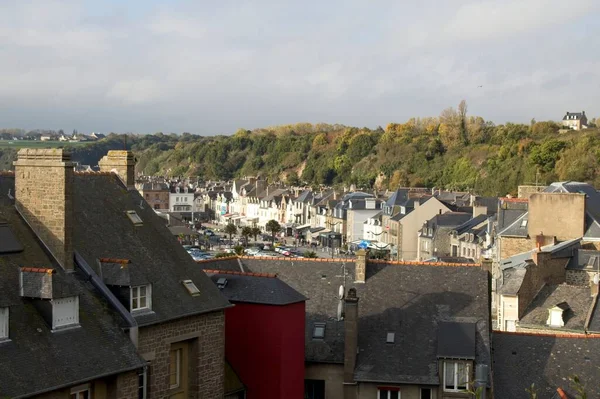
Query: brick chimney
{"x": 360, "y": 272}
{"x": 121, "y": 162}
{"x": 43, "y": 192}
{"x": 350, "y": 342}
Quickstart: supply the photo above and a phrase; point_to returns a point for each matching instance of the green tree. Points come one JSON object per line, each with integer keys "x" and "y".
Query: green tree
{"x": 273, "y": 227}
{"x": 246, "y": 233}
{"x": 230, "y": 229}
{"x": 255, "y": 232}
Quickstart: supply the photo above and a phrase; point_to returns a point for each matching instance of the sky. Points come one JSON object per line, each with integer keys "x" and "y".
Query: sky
{"x": 211, "y": 67}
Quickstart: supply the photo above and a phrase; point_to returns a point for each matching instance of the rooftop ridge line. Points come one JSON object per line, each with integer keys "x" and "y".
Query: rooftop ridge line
{"x": 236, "y": 273}
{"x": 549, "y": 335}
{"x": 114, "y": 260}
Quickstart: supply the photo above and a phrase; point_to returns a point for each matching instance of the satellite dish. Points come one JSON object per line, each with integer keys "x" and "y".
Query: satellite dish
{"x": 340, "y": 310}
{"x": 341, "y": 292}
{"x": 596, "y": 278}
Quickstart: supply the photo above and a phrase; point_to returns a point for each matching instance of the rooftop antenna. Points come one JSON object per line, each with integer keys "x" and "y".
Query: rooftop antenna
{"x": 141, "y": 204}
{"x": 10, "y": 195}
{"x": 341, "y": 293}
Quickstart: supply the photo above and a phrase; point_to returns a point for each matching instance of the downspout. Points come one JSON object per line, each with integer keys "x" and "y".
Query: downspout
{"x": 92, "y": 277}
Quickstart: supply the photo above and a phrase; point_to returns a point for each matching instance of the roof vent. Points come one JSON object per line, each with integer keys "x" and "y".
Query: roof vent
{"x": 221, "y": 283}
{"x": 135, "y": 219}
{"x": 191, "y": 287}
{"x": 391, "y": 338}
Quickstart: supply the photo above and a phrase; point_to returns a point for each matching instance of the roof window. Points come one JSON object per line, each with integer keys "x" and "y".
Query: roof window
{"x": 391, "y": 338}
{"x": 319, "y": 331}
{"x": 135, "y": 219}
{"x": 524, "y": 223}
{"x": 221, "y": 282}
{"x": 191, "y": 287}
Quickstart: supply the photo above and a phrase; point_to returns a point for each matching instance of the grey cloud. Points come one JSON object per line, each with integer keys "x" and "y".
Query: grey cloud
{"x": 188, "y": 66}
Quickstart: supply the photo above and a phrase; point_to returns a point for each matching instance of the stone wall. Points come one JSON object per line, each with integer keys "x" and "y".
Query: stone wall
{"x": 561, "y": 215}
{"x": 206, "y": 336}
{"x": 43, "y": 192}
{"x": 510, "y": 246}
{"x": 579, "y": 277}
{"x": 127, "y": 386}
{"x": 122, "y": 162}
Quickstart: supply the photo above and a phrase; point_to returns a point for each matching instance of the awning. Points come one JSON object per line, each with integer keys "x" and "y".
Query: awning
{"x": 303, "y": 227}
{"x": 252, "y": 219}
{"x": 317, "y": 229}
{"x": 228, "y": 215}
{"x": 237, "y": 217}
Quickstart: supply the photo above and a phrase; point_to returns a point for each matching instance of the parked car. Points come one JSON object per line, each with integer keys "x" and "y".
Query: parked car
{"x": 263, "y": 253}
{"x": 196, "y": 254}
{"x": 252, "y": 251}
{"x": 209, "y": 233}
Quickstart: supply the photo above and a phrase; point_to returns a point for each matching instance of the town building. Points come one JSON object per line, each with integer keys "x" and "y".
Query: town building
{"x": 133, "y": 273}
{"x": 575, "y": 120}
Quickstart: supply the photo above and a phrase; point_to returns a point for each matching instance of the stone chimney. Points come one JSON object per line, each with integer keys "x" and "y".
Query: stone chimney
{"x": 122, "y": 163}
{"x": 361, "y": 266}
{"x": 350, "y": 342}
{"x": 44, "y": 197}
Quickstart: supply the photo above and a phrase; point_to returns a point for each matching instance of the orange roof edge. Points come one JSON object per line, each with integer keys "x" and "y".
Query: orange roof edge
{"x": 561, "y": 393}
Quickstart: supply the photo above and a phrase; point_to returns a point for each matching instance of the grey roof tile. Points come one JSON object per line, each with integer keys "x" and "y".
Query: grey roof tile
{"x": 578, "y": 299}
{"x": 37, "y": 359}
{"x": 257, "y": 289}
{"x": 395, "y": 298}
{"x": 150, "y": 247}
{"x": 546, "y": 361}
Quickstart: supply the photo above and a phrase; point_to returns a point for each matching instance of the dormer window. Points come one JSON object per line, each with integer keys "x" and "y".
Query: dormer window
{"x": 65, "y": 312}
{"x": 4, "y": 324}
{"x": 135, "y": 219}
{"x": 556, "y": 314}
{"x": 141, "y": 297}
{"x": 456, "y": 376}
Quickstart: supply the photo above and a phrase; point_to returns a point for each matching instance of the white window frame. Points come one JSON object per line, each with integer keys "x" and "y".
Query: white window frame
{"x": 455, "y": 382}
{"x": 143, "y": 388}
{"x": 79, "y": 390}
{"x": 134, "y": 292}
{"x": 388, "y": 393}
{"x": 4, "y": 323}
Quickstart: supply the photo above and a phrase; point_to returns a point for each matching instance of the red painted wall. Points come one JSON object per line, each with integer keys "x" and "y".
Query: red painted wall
{"x": 265, "y": 346}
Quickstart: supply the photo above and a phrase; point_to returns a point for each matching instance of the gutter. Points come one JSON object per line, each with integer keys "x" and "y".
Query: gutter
{"x": 74, "y": 383}
{"x": 109, "y": 296}
{"x": 590, "y": 313}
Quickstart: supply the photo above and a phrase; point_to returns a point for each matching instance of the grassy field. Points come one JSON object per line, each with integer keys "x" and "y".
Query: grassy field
{"x": 37, "y": 144}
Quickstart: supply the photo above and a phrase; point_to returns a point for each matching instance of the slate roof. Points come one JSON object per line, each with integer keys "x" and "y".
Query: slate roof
{"x": 594, "y": 325}
{"x": 150, "y": 246}
{"x": 517, "y": 228}
{"x": 36, "y": 359}
{"x": 546, "y": 361}
{"x": 471, "y": 224}
{"x": 250, "y": 288}
{"x": 579, "y": 301}
{"x": 577, "y": 115}
{"x": 152, "y": 186}
{"x": 456, "y": 340}
{"x": 449, "y": 219}
{"x": 395, "y": 298}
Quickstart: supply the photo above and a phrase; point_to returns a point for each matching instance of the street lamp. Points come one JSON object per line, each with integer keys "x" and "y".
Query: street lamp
{"x": 331, "y": 238}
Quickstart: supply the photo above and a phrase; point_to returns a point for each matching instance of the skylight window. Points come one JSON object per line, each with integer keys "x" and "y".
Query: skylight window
{"x": 524, "y": 223}
{"x": 135, "y": 219}
{"x": 221, "y": 282}
{"x": 592, "y": 261}
{"x": 191, "y": 287}
{"x": 391, "y": 338}
{"x": 319, "y": 331}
